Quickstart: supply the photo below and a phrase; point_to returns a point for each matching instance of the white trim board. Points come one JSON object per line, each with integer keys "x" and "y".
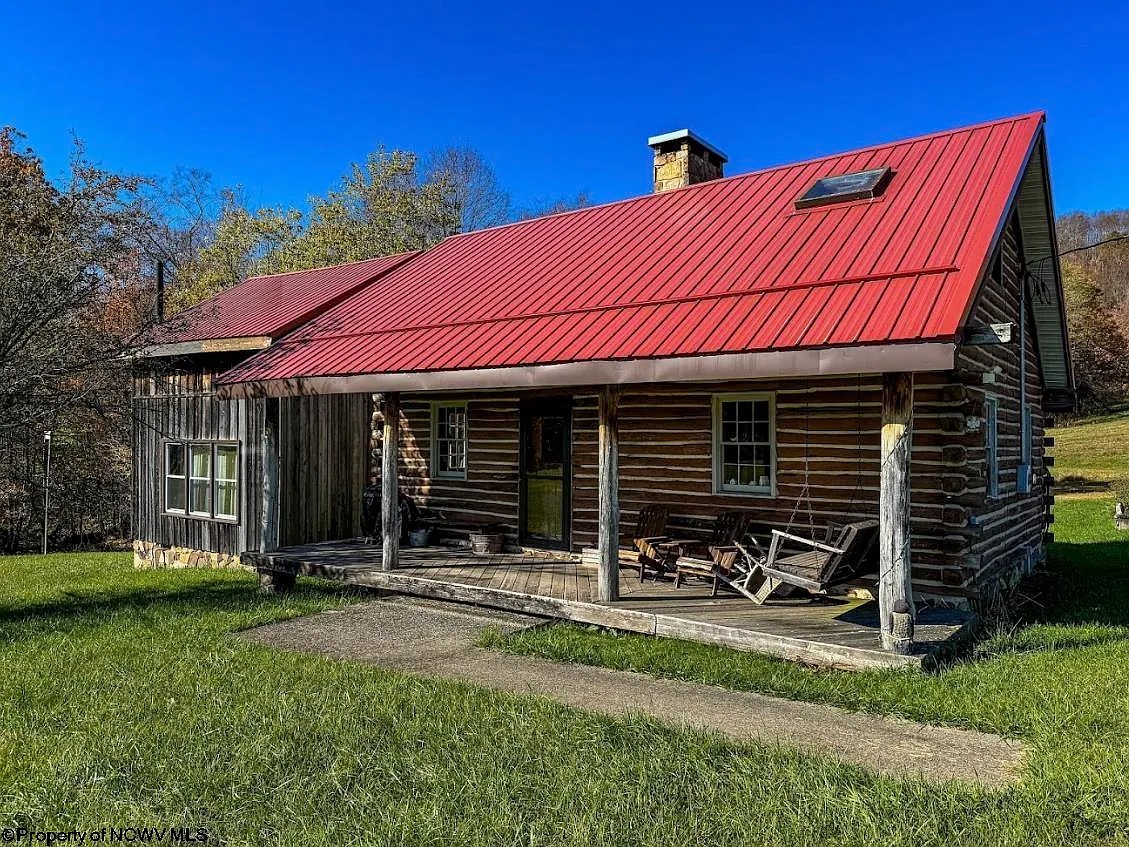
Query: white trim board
{"x": 829, "y": 361}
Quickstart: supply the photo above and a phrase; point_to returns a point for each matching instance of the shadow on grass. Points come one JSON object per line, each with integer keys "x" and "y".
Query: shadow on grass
{"x": 70, "y": 611}
{"x": 1080, "y": 599}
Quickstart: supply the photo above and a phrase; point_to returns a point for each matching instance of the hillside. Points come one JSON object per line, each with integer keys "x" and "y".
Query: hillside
{"x": 1092, "y": 455}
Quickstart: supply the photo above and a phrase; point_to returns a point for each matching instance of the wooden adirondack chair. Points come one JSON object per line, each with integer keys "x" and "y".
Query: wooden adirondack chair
{"x": 697, "y": 558}
{"x": 650, "y": 536}
{"x": 825, "y": 564}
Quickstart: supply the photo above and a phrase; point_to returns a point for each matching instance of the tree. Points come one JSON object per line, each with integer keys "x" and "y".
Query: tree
{"x": 242, "y": 243}
{"x": 1100, "y": 350}
{"x": 381, "y": 207}
{"x": 70, "y": 300}
{"x": 543, "y": 207}
{"x": 68, "y": 262}
{"x": 1108, "y": 263}
{"x": 470, "y": 185}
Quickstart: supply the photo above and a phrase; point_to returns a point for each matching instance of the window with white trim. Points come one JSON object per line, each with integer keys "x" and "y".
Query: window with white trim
{"x": 744, "y": 443}
{"x": 202, "y": 479}
{"x": 176, "y": 494}
{"x": 226, "y": 481}
{"x": 992, "y": 445}
{"x": 449, "y": 440}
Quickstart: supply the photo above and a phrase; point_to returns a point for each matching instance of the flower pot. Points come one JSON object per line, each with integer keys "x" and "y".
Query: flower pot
{"x": 487, "y": 542}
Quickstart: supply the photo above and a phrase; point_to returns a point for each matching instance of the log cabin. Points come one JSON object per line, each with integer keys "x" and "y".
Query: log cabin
{"x": 878, "y": 333}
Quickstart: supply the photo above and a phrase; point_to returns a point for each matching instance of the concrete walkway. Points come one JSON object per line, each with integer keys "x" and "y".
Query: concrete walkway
{"x": 438, "y": 640}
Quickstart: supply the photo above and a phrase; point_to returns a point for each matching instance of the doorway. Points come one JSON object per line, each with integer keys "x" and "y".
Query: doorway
{"x": 546, "y": 478}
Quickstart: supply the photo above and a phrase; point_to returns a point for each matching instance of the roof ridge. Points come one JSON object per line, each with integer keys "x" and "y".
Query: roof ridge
{"x": 729, "y": 179}
{"x": 325, "y": 267}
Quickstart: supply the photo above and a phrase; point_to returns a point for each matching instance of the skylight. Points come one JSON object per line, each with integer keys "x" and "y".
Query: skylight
{"x": 838, "y": 189}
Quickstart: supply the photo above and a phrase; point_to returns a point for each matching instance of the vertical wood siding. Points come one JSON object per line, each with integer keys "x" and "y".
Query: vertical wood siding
{"x": 323, "y": 442}
{"x": 182, "y": 407}
{"x": 324, "y": 468}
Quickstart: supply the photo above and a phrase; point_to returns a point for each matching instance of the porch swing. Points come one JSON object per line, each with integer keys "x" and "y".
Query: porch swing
{"x": 840, "y": 555}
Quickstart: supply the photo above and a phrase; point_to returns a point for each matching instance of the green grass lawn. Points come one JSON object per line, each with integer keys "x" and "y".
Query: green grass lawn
{"x": 125, "y": 699}
{"x": 1094, "y": 451}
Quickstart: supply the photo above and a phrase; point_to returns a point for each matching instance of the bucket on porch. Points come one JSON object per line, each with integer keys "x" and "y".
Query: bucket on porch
{"x": 487, "y": 542}
{"x": 420, "y": 537}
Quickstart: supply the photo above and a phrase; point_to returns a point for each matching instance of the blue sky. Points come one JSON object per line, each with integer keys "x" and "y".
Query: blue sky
{"x": 281, "y": 96}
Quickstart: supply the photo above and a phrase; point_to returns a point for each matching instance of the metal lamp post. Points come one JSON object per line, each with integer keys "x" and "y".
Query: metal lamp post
{"x": 46, "y": 487}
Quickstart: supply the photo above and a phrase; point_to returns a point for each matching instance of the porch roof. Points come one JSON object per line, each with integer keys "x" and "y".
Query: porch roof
{"x": 715, "y": 280}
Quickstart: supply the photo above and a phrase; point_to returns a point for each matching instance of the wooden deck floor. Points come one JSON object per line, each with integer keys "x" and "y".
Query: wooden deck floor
{"x": 825, "y": 632}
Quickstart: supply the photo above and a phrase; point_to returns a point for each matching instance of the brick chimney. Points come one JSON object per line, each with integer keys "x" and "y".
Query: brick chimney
{"x": 682, "y": 158}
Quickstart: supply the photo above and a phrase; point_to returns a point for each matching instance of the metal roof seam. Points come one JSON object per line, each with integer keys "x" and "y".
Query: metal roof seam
{"x": 725, "y": 266}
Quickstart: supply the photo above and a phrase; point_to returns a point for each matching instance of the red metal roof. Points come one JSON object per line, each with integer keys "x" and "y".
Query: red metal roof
{"x": 271, "y": 305}
{"x": 721, "y": 267}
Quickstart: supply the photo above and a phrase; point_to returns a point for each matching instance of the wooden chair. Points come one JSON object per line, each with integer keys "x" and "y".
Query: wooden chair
{"x": 727, "y": 528}
{"x": 650, "y": 537}
{"x": 823, "y": 565}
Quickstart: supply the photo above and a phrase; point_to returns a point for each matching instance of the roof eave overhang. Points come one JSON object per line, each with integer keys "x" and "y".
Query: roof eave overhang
{"x": 210, "y": 345}
{"x": 828, "y": 361}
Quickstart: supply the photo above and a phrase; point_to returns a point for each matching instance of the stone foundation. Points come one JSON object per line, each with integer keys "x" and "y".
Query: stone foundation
{"x": 150, "y": 556}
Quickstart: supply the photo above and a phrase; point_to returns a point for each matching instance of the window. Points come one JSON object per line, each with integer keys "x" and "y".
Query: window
{"x": 1024, "y": 478}
{"x": 226, "y": 480}
{"x": 449, "y": 440}
{"x": 992, "y": 445}
{"x": 839, "y": 189}
{"x": 174, "y": 478}
{"x": 202, "y": 479}
{"x": 744, "y": 456}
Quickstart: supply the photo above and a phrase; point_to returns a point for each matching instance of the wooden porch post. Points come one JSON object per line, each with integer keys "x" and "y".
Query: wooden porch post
{"x": 390, "y": 483}
{"x": 608, "y": 575}
{"x": 270, "y": 582}
{"x": 895, "y": 598}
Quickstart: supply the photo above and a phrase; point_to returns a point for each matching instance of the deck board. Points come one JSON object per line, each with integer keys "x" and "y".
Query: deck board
{"x": 831, "y": 633}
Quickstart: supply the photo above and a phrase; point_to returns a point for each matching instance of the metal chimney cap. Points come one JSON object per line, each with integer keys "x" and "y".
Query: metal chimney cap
{"x": 679, "y": 135}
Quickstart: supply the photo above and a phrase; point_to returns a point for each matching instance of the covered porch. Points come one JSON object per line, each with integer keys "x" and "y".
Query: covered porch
{"x": 831, "y": 632}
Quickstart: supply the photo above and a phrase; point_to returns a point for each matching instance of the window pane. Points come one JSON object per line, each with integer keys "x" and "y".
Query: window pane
{"x": 225, "y": 499}
{"x": 174, "y": 494}
{"x": 174, "y": 459}
{"x": 226, "y": 461}
{"x": 747, "y": 475}
{"x": 760, "y": 431}
{"x": 201, "y": 460}
{"x": 744, "y": 411}
{"x": 200, "y": 496}
{"x": 450, "y": 439}
{"x": 729, "y": 473}
{"x": 729, "y": 411}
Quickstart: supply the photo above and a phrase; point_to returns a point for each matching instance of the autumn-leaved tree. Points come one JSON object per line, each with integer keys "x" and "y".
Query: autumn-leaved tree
{"x": 242, "y": 243}
{"x": 1100, "y": 350}
{"x": 69, "y": 303}
{"x": 381, "y": 207}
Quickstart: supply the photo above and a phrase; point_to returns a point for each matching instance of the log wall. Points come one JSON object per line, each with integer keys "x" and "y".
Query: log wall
{"x": 1005, "y": 533}
{"x": 965, "y": 546}
{"x": 489, "y": 494}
